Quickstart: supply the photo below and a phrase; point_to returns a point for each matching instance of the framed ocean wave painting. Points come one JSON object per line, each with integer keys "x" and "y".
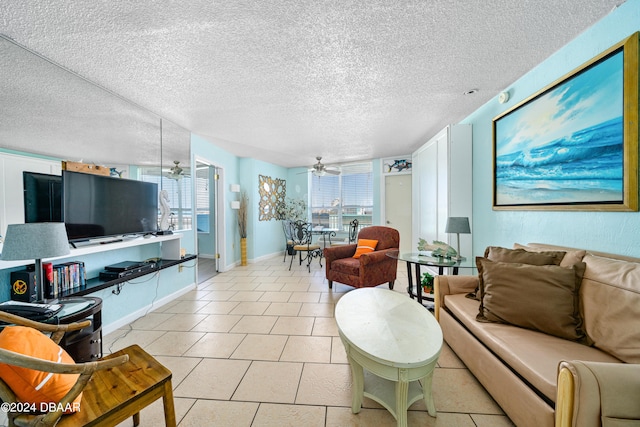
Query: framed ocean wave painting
{"x": 574, "y": 144}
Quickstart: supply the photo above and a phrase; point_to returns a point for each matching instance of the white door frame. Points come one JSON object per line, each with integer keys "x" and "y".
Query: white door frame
{"x": 219, "y": 213}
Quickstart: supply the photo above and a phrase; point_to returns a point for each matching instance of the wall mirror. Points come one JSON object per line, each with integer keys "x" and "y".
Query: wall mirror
{"x": 50, "y": 111}
{"x": 272, "y": 193}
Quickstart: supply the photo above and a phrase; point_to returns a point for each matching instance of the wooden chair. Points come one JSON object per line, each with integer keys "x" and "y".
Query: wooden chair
{"x": 113, "y": 389}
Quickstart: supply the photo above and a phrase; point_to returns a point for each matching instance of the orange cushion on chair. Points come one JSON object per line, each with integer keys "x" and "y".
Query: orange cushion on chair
{"x": 30, "y": 385}
{"x": 365, "y": 246}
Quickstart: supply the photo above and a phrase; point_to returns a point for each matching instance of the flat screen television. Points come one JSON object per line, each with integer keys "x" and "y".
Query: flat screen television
{"x": 101, "y": 206}
{"x": 42, "y": 197}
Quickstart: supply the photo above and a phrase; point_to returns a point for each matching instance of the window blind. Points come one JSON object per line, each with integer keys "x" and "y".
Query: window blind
{"x": 338, "y": 199}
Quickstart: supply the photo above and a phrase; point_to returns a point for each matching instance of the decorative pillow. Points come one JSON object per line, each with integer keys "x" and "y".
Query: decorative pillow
{"x": 30, "y": 385}
{"x": 570, "y": 258}
{"x": 496, "y": 253}
{"x": 538, "y": 297}
{"x": 365, "y": 246}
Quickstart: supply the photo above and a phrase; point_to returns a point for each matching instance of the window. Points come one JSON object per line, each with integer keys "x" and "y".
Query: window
{"x": 338, "y": 199}
{"x": 179, "y": 196}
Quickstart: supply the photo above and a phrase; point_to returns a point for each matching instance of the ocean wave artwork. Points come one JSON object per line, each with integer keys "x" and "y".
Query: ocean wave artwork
{"x": 585, "y": 167}
{"x": 566, "y": 145}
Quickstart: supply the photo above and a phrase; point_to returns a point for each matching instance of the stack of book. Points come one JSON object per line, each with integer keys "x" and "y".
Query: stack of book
{"x": 62, "y": 278}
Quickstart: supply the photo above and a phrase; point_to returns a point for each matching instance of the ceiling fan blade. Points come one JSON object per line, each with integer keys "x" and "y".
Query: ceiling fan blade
{"x": 332, "y": 171}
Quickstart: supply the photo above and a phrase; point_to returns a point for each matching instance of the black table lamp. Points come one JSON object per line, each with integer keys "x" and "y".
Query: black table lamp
{"x": 458, "y": 224}
{"x": 35, "y": 241}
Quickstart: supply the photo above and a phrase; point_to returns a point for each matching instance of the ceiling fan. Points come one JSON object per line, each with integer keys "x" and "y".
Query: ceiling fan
{"x": 320, "y": 169}
{"x": 176, "y": 172}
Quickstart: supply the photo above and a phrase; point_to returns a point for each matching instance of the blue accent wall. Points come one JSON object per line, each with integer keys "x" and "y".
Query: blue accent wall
{"x": 264, "y": 238}
{"x": 207, "y": 150}
{"x": 615, "y": 232}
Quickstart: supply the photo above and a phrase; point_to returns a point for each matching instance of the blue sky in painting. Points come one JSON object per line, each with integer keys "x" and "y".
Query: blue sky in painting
{"x": 591, "y": 97}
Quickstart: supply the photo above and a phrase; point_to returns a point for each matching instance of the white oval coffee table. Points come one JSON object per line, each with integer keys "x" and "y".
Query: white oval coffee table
{"x": 397, "y": 341}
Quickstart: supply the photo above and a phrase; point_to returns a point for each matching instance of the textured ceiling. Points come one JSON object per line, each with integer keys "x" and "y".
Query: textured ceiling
{"x": 287, "y": 80}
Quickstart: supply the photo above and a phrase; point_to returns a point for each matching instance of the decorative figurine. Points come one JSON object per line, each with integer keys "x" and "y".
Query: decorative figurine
{"x": 438, "y": 248}
{"x": 165, "y": 210}
{"x": 115, "y": 173}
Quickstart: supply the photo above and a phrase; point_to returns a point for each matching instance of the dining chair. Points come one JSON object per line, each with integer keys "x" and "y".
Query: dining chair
{"x": 353, "y": 230}
{"x": 352, "y": 234}
{"x": 288, "y": 241}
{"x": 302, "y": 237}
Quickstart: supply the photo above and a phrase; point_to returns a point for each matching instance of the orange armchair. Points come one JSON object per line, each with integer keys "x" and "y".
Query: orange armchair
{"x": 371, "y": 269}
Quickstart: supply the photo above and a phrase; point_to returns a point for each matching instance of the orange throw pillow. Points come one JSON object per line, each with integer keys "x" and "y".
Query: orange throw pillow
{"x": 31, "y": 386}
{"x": 365, "y": 246}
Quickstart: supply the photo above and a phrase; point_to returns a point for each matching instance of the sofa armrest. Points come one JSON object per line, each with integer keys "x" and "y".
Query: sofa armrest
{"x": 378, "y": 256}
{"x": 450, "y": 285}
{"x": 597, "y": 394}
{"x": 338, "y": 252}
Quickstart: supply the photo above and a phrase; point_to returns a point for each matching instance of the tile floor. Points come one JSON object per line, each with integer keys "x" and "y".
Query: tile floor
{"x": 258, "y": 346}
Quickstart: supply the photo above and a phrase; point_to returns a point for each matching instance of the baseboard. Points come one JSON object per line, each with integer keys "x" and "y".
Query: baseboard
{"x": 113, "y": 326}
{"x": 254, "y": 260}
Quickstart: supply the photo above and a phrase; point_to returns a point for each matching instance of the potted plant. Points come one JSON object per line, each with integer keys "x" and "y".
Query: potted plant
{"x": 426, "y": 281}
{"x": 293, "y": 209}
{"x": 242, "y": 226}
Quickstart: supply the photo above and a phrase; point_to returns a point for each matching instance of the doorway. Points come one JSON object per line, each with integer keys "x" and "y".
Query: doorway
{"x": 397, "y": 207}
{"x": 206, "y": 194}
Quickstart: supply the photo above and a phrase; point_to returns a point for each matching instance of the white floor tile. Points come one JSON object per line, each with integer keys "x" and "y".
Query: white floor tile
{"x": 258, "y": 346}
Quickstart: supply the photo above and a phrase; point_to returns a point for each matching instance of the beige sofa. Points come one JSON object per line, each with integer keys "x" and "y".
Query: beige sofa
{"x": 540, "y": 379}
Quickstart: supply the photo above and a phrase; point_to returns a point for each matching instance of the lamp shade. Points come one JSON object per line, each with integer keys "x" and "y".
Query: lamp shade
{"x": 35, "y": 241}
{"x": 457, "y": 224}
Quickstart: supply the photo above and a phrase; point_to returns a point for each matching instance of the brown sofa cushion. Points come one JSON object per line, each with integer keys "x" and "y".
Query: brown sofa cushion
{"x": 532, "y": 354}
{"x": 610, "y": 294}
{"x": 570, "y": 258}
{"x": 539, "y": 297}
{"x": 497, "y": 253}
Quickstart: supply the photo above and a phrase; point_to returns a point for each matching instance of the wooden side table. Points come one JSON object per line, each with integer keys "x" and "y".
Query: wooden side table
{"x": 396, "y": 341}
{"x": 115, "y": 394}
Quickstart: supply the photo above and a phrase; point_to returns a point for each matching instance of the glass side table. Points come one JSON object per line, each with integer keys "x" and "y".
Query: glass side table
{"x": 417, "y": 260}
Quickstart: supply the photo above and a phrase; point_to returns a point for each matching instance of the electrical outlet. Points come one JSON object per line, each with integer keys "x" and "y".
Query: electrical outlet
{"x": 180, "y": 268}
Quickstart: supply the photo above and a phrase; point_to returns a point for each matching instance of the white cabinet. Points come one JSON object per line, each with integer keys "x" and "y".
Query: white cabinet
{"x": 442, "y": 187}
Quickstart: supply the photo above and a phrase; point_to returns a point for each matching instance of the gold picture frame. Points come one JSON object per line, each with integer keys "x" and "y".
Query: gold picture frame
{"x": 573, "y": 145}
